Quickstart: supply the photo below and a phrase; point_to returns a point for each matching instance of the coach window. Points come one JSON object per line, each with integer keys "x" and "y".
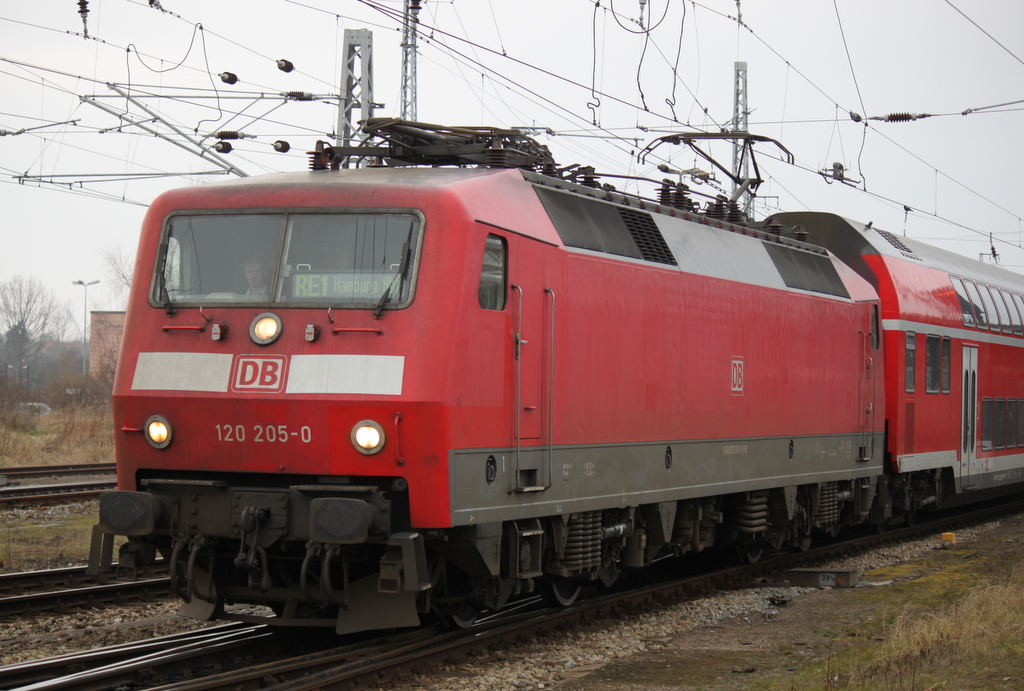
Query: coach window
{"x": 1011, "y": 423}
{"x": 965, "y": 301}
{"x": 1012, "y": 309}
{"x": 993, "y": 315}
{"x": 979, "y": 309}
{"x": 1020, "y": 421}
{"x": 947, "y": 356}
{"x": 1019, "y": 302}
{"x": 1000, "y": 423}
{"x": 1004, "y": 316}
{"x": 492, "y": 275}
{"x": 986, "y": 424}
{"x": 932, "y": 348}
{"x": 911, "y": 360}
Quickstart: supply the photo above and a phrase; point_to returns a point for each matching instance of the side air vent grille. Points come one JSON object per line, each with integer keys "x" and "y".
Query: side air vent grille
{"x": 647, "y": 237}
{"x": 898, "y": 244}
{"x": 806, "y": 271}
{"x": 602, "y": 227}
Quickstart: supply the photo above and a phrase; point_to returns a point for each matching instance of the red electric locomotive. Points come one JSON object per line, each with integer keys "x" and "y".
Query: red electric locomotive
{"x": 358, "y": 396}
{"x": 953, "y": 339}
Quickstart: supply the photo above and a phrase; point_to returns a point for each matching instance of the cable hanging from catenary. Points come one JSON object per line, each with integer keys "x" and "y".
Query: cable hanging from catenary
{"x": 594, "y": 104}
{"x": 671, "y": 101}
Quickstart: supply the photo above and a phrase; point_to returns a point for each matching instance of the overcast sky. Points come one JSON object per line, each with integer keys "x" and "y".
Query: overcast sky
{"x": 79, "y": 160}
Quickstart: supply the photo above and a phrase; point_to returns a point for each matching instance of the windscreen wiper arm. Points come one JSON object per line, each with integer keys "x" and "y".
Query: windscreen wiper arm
{"x": 378, "y": 311}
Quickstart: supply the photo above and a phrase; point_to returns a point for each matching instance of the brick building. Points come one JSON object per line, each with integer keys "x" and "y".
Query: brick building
{"x": 105, "y": 330}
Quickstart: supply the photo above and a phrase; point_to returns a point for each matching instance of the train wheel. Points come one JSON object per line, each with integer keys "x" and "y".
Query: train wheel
{"x": 464, "y": 617}
{"x": 561, "y": 592}
{"x": 752, "y": 555}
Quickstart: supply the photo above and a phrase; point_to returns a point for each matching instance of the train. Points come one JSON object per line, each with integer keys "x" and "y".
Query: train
{"x": 458, "y": 375}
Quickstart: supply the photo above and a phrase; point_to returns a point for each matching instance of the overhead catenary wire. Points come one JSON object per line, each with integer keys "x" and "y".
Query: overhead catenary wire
{"x": 510, "y": 86}
{"x": 978, "y": 26}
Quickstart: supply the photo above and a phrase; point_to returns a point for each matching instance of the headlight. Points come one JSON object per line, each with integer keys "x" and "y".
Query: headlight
{"x": 265, "y": 328}
{"x": 158, "y": 431}
{"x": 368, "y": 437}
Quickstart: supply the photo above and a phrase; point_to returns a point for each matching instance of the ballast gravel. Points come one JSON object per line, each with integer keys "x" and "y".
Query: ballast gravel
{"x": 540, "y": 663}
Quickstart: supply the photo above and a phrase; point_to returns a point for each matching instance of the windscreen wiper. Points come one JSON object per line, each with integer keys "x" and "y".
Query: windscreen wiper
{"x": 378, "y": 311}
{"x": 162, "y": 293}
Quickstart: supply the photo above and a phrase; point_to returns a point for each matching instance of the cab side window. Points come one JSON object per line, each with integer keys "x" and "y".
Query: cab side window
{"x": 493, "y": 274}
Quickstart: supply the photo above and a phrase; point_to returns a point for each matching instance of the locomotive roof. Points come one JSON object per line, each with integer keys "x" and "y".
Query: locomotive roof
{"x": 527, "y": 203}
{"x": 383, "y": 175}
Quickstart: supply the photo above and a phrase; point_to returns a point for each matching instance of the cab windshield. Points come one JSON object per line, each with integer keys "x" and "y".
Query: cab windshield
{"x": 359, "y": 260}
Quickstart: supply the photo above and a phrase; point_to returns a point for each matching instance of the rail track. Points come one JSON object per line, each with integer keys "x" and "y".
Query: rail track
{"x": 326, "y": 662}
{"x": 14, "y": 493}
{"x": 35, "y": 592}
{"x": 34, "y": 495}
{"x": 38, "y": 471}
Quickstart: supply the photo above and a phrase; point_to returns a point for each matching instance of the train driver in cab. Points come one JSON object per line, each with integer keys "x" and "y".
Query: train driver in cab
{"x": 257, "y": 276}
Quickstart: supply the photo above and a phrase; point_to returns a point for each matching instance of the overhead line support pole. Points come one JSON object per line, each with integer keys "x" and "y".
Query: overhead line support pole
{"x": 410, "y": 21}
{"x": 740, "y": 125}
{"x": 356, "y": 87}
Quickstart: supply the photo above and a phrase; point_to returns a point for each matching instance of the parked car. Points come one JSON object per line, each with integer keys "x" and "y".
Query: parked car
{"x": 36, "y": 408}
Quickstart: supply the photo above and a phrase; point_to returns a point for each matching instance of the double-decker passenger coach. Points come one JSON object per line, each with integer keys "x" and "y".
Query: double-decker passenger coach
{"x": 954, "y": 345}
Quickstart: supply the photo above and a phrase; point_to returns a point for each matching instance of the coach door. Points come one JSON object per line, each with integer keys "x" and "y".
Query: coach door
{"x": 969, "y": 418}
{"x": 866, "y": 391}
{"x": 530, "y": 300}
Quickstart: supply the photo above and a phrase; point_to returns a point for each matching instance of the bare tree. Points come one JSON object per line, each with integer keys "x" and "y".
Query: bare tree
{"x": 120, "y": 267}
{"x": 31, "y": 317}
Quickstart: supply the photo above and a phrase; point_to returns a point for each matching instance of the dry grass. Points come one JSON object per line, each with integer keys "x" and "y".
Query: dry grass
{"x": 67, "y": 435}
{"x": 55, "y": 537}
{"x": 977, "y": 642}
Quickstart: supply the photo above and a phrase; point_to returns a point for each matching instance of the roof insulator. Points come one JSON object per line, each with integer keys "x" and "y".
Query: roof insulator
{"x": 774, "y": 227}
{"x": 496, "y": 155}
{"x": 735, "y": 214}
{"x": 681, "y": 199}
{"x": 666, "y": 193}
{"x": 589, "y": 177}
{"x": 322, "y": 157}
{"x": 716, "y": 209}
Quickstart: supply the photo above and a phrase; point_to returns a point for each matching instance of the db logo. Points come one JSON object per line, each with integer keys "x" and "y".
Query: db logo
{"x": 264, "y": 373}
{"x": 737, "y": 376}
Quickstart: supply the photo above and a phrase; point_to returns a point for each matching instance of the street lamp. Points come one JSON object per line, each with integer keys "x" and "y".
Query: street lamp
{"x": 85, "y": 322}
